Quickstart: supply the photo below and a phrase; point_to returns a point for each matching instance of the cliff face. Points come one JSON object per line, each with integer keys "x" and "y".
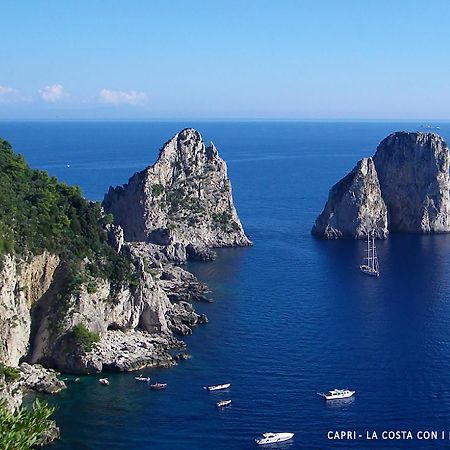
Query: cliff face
{"x": 404, "y": 188}
{"x": 182, "y": 202}
{"x": 36, "y": 320}
{"x": 414, "y": 179}
{"x": 22, "y": 285}
{"x": 354, "y": 207}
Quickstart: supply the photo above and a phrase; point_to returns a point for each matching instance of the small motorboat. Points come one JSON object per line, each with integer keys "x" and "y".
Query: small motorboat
{"x": 141, "y": 378}
{"x": 223, "y": 403}
{"x": 272, "y": 438}
{"x": 337, "y": 394}
{"x": 218, "y": 387}
{"x": 104, "y": 381}
{"x": 158, "y": 386}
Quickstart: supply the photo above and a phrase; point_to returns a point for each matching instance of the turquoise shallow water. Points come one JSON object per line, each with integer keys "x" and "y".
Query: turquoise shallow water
{"x": 291, "y": 316}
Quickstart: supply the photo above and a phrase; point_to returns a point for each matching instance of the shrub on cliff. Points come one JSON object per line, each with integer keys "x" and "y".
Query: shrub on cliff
{"x": 25, "y": 428}
{"x": 9, "y": 373}
{"x": 84, "y": 338}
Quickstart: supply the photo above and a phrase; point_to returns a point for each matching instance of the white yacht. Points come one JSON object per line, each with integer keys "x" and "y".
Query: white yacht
{"x": 223, "y": 403}
{"x": 371, "y": 267}
{"x": 336, "y": 394}
{"x": 218, "y": 387}
{"x": 272, "y": 438}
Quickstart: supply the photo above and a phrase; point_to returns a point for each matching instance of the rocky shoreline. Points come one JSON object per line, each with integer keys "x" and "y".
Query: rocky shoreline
{"x": 178, "y": 209}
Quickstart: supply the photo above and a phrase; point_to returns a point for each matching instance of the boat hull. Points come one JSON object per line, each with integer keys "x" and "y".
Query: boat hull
{"x": 278, "y": 437}
{"x": 338, "y": 396}
{"x": 219, "y": 387}
{"x": 368, "y": 271}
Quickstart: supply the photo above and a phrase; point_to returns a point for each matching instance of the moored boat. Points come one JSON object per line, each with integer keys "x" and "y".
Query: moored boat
{"x": 336, "y": 394}
{"x": 218, "y": 387}
{"x": 272, "y": 438}
{"x": 141, "y": 378}
{"x": 223, "y": 403}
{"x": 158, "y": 386}
{"x": 104, "y": 381}
{"x": 371, "y": 266}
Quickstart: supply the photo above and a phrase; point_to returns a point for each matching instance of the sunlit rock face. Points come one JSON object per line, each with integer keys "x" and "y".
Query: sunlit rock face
{"x": 184, "y": 198}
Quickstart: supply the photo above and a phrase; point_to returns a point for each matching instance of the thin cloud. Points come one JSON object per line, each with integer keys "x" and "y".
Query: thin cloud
{"x": 10, "y": 95}
{"x": 111, "y": 97}
{"x": 52, "y": 93}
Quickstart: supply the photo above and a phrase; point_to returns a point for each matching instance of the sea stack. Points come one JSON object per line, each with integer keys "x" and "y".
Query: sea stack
{"x": 355, "y": 206}
{"x": 404, "y": 188}
{"x": 413, "y": 173}
{"x": 182, "y": 202}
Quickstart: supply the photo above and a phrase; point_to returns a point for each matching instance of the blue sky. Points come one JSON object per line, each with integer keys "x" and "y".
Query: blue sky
{"x": 225, "y": 59}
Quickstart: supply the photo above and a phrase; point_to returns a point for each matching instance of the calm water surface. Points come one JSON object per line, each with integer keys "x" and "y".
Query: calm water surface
{"x": 291, "y": 316}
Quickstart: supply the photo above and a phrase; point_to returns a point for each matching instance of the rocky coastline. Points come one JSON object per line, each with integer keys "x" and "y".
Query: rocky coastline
{"x": 179, "y": 209}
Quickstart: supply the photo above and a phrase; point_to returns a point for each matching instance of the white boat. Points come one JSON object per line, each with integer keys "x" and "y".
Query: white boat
{"x": 371, "y": 266}
{"x": 337, "y": 394}
{"x": 141, "y": 378}
{"x": 272, "y": 438}
{"x": 223, "y": 403}
{"x": 158, "y": 386}
{"x": 218, "y": 387}
{"x": 104, "y": 381}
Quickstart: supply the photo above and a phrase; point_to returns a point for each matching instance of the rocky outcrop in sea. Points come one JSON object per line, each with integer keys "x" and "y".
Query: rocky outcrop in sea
{"x": 403, "y": 188}
{"x": 183, "y": 202}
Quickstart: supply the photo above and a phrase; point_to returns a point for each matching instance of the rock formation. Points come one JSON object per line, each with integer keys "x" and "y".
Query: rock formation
{"x": 403, "y": 188}
{"x": 183, "y": 202}
{"x": 414, "y": 179}
{"x": 354, "y": 206}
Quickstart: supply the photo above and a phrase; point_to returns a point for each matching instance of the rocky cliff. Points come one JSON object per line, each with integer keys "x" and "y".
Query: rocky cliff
{"x": 414, "y": 179}
{"x": 182, "y": 202}
{"x": 403, "y": 188}
{"x": 355, "y": 206}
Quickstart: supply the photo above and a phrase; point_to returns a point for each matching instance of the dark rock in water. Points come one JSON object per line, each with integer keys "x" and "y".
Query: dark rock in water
{"x": 183, "y": 356}
{"x": 183, "y": 317}
{"x": 354, "y": 207}
{"x": 413, "y": 170}
{"x": 195, "y": 253}
{"x": 202, "y": 318}
{"x": 51, "y": 435}
{"x": 403, "y": 188}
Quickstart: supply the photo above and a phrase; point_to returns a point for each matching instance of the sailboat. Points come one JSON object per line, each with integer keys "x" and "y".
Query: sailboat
{"x": 370, "y": 266}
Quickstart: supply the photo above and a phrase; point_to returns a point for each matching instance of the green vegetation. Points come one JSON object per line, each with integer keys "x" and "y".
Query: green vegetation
{"x": 39, "y": 213}
{"x": 24, "y": 429}
{"x": 10, "y": 373}
{"x": 84, "y": 338}
{"x": 157, "y": 189}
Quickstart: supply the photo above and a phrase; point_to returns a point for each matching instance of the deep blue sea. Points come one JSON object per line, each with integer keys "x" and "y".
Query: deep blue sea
{"x": 291, "y": 316}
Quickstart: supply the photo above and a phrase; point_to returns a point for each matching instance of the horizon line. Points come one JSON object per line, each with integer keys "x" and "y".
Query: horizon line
{"x": 218, "y": 119}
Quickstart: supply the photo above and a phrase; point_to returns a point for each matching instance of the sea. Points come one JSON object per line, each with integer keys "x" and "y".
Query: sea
{"x": 291, "y": 316}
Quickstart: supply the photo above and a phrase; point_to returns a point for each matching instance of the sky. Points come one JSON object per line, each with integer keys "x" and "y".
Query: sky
{"x": 225, "y": 59}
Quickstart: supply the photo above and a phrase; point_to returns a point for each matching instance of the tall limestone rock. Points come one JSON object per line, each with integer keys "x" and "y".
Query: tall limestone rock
{"x": 183, "y": 201}
{"x": 354, "y": 207}
{"x": 414, "y": 179}
{"x": 408, "y": 178}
